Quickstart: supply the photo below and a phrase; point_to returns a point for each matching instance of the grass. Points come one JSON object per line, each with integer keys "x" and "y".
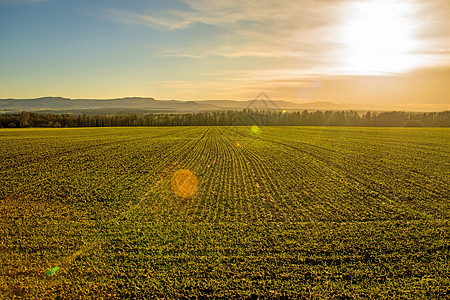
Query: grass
{"x": 276, "y": 212}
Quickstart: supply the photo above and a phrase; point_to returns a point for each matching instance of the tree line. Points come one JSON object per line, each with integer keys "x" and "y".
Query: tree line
{"x": 238, "y": 118}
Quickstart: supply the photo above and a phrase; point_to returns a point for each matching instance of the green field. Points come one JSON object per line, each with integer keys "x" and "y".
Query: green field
{"x": 270, "y": 212}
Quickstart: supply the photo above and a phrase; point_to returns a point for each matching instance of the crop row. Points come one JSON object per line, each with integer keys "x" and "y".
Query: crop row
{"x": 276, "y": 212}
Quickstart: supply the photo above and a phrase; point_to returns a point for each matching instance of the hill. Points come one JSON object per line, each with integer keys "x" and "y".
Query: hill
{"x": 151, "y": 105}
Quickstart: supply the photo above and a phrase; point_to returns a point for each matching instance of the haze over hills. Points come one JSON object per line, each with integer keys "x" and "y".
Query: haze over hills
{"x": 151, "y": 105}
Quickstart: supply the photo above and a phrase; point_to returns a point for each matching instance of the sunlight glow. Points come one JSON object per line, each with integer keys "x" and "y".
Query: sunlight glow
{"x": 378, "y": 37}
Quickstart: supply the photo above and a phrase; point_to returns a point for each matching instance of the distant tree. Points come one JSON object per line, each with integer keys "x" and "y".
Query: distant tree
{"x": 24, "y": 120}
{"x": 245, "y": 117}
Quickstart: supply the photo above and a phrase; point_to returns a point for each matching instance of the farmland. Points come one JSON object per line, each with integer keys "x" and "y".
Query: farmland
{"x": 225, "y": 212}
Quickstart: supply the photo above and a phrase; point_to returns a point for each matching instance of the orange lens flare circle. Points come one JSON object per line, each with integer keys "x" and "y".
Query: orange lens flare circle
{"x": 184, "y": 184}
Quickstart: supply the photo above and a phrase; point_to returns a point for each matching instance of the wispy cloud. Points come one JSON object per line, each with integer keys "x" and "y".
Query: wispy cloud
{"x": 423, "y": 89}
{"x": 297, "y": 43}
{"x": 249, "y": 27}
{"x": 206, "y": 12}
{"x": 290, "y": 28}
{"x": 169, "y": 21}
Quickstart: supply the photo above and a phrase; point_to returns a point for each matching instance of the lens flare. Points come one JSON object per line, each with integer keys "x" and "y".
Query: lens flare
{"x": 52, "y": 271}
{"x": 184, "y": 183}
{"x": 255, "y": 130}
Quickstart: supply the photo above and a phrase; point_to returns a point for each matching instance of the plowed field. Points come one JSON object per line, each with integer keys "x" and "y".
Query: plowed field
{"x": 225, "y": 212}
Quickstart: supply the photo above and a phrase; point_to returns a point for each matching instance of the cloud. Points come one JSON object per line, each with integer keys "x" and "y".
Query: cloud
{"x": 205, "y": 12}
{"x": 432, "y": 26}
{"x": 426, "y": 89}
{"x": 247, "y": 27}
{"x": 168, "y": 22}
{"x": 302, "y": 35}
{"x": 244, "y": 15}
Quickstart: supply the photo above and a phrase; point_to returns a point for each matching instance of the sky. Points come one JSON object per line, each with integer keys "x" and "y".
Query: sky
{"x": 380, "y": 52}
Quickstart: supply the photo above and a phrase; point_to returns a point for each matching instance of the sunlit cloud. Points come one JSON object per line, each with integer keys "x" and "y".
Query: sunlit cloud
{"x": 209, "y": 12}
{"x": 325, "y": 35}
{"x": 297, "y": 50}
{"x": 249, "y": 28}
{"x": 163, "y": 23}
{"x": 420, "y": 89}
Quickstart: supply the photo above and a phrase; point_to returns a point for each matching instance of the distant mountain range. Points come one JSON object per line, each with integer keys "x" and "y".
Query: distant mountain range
{"x": 151, "y": 105}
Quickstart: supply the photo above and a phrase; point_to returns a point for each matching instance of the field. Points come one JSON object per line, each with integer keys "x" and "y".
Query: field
{"x": 225, "y": 212}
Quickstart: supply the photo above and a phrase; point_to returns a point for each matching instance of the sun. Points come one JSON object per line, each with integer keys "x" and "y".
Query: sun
{"x": 378, "y": 36}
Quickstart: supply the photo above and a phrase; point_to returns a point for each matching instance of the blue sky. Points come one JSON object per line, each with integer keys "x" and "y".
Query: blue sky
{"x": 335, "y": 50}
